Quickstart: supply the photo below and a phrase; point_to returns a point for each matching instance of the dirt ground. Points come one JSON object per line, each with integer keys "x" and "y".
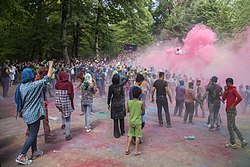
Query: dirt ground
{"x": 162, "y": 147}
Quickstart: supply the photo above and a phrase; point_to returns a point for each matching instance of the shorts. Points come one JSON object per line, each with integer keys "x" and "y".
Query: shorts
{"x": 135, "y": 130}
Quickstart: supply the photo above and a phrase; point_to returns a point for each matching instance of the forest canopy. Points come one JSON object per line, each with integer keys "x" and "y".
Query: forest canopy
{"x": 39, "y": 29}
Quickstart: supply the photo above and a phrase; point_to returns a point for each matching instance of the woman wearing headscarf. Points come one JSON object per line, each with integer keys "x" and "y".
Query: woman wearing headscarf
{"x": 88, "y": 91}
{"x": 64, "y": 101}
{"x": 117, "y": 99}
{"x": 30, "y": 106}
{"x": 42, "y": 71}
{"x": 81, "y": 76}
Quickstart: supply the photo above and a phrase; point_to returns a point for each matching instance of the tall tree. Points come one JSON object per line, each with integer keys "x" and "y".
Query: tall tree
{"x": 98, "y": 19}
{"x": 65, "y": 17}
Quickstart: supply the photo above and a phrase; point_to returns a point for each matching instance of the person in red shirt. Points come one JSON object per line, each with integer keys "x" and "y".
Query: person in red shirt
{"x": 232, "y": 98}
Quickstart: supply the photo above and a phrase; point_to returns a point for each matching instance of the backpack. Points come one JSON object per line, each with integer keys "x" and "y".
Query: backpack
{"x": 18, "y": 101}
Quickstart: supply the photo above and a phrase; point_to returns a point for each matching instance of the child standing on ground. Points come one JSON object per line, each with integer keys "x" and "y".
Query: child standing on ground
{"x": 138, "y": 82}
{"x": 136, "y": 109}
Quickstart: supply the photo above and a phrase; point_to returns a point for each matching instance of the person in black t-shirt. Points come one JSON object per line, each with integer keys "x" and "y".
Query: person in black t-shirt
{"x": 161, "y": 87}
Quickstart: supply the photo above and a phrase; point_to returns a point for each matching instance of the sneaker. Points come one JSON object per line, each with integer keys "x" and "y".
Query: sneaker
{"x": 218, "y": 128}
{"x": 233, "y": 146}
{"x": 87, "y": 127}
{"x": 36, "y": 154}
{"x": 68, "y": 138}
{"x": 23, "y": 159}
{"x": 212, "y": 128}
{"x": 208, "y": 125}
{"x": 160, "y": 125}
{"x": 244, "y": 143}
{"x": 88, "y": 130}
{"x": 169, "y": 126}
{"x": 184, "y": 122}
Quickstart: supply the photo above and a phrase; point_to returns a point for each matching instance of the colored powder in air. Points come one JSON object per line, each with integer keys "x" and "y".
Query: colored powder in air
{"x": 197, "y": 52}
{"x": 201, "y": 55}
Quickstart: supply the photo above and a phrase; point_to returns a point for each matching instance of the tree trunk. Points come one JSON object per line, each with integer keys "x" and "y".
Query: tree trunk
{"x": 77, "y": 38}
{"x": 98, "y": 17}
{"x": 73, "y": 44}
{"x": 65, "y": 16}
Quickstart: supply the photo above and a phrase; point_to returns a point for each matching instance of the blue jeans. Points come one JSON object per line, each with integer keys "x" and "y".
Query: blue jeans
{"x": 88, "y": 109}
{"x": 31, "y": 141}
{"x": 67, "y": 121}
{"x": 53, "y": 81}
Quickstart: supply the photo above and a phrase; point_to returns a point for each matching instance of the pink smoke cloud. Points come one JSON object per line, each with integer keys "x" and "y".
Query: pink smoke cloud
{"x": 201, "y": 54}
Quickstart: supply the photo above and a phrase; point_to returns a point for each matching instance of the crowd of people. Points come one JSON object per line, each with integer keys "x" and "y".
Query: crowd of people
{"x": 129, "y": 89}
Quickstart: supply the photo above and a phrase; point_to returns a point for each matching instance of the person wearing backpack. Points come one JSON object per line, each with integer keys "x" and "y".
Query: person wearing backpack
{"x": 214, "y": 92}
{"x": 233, "y": 98}
{"x": 30, "y": 106}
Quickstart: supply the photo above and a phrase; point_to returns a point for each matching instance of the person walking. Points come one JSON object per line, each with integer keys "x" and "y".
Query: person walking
{"x": 65, "y": 101}
{"x": 88, "y": 90}
{"x": 30, "y": 106}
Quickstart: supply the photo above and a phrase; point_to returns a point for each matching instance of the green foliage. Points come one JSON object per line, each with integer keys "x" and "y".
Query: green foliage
{"x": 31, "y": 29}
{"x": 225, "y": 17}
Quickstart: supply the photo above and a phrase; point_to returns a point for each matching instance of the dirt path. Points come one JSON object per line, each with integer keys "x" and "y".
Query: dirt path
{"x": 162, "y": 147}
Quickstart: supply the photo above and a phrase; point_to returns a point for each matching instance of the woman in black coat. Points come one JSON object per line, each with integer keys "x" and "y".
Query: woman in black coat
{"x": 117, "y": 98}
